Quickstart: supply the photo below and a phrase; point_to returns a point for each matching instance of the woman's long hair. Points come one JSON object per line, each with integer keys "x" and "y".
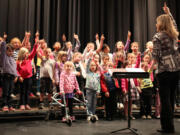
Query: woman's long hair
{"x": 166, "y": 25}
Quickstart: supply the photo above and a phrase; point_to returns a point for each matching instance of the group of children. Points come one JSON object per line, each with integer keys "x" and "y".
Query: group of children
{"x": 68, "y": 70}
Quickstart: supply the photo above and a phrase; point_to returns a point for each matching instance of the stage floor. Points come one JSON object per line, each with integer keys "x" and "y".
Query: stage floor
{"x": 80, "y": 127}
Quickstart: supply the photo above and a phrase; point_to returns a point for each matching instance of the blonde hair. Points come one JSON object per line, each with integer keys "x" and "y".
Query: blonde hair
{"x": 133, "y": 43}
{"x": 75, "y": 55}
{"x": 16, "y": 39}
{"x": 149, "y": 42}
{"x": 166, "y": 25}
{"x": 47, "y": 49}
{"x": 57, "y": 44}
{"x": 60, "y": 55}
{"x": 70, "y": 63}
{"x": 22, "y": 52}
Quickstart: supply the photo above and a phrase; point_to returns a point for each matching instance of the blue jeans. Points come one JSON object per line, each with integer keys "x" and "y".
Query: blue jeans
{"x": 92, "y": 100}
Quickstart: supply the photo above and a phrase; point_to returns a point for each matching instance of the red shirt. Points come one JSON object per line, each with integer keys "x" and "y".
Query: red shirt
{"x": 24, "y": 68}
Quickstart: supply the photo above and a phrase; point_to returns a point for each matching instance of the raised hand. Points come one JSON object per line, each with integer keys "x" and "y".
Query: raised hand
{"x": 166, "y": 9}
{"x": 76, "y": 37}
{"x": 102, "y": 37}
{"x": 64, "y": 38}
{"x": 129, "y": 35}
{"x": 37, "y": 33}
{"x": 5, "y": 36}
{"x": 97, "y": 36}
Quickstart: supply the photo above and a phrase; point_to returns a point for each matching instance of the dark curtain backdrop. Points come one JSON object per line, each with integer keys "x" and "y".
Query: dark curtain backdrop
{"x": 113, "y": 18}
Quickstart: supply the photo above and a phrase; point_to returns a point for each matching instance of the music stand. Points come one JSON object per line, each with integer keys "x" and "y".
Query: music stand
{"x": 128, "y": 73}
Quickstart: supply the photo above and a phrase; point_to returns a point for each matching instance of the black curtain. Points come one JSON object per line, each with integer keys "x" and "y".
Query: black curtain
{"x": 113, "y": 18}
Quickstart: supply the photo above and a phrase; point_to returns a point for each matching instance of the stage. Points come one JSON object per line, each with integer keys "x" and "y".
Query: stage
{"x": 38, "y": 126}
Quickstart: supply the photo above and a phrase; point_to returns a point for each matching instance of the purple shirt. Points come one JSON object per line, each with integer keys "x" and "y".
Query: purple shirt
{"x": 8, "y": 62}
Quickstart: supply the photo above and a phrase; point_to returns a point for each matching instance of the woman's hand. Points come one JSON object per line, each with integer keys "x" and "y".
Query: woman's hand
{"x": 166, "y": 9}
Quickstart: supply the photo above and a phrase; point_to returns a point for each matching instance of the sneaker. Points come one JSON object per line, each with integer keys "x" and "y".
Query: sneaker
{"x": 31, "y": 95}
{"x": 88, "y": 118}
{"x": 143, "y": 117}
{"x": 41, "y": 106}
{"x": 12, "y": 109}
{"x": 158, "y": 117}
{"x": 132, "y": 117}
{"x": 134, "y": 106}
{"x": 73, "y": 118}
{"x": 13, "y": 96}
{"x": 82, "y": 107}
{"x": 96, "y": 117}
{"x": 5, "y": 109}
{"x": 63, "y": 119}
{"x": 27, "y": 107}
{"x": 76, "y": 107}
{"x": 149, "y": 117}
{"x": 22, "y": 107}
{"x": 121, "y": 106}
{"x": 38, "y": 93}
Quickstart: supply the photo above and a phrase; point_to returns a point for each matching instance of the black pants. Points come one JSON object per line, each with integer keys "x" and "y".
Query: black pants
{"x": 46, "y": 85}
{"x": 25, "y": 89}
{"x": 8, "y": 83}
{"x": 168, "y": 82}
{"x": 69, "y": 104}
{"x": 111, "y": 104}
{"x": 146, "y": 102}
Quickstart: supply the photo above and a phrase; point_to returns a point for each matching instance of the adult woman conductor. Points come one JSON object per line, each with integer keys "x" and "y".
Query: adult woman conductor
{"x": 165, "y": 53}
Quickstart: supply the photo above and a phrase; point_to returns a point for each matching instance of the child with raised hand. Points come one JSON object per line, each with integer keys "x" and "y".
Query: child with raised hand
{"x": 68, "y": 83}
{"x": 119, "y": 47}
{"x": 24, "y": 69}
{"x": 70, "y": 49}
{"x": 46, "y": 76}
{"x": 89, "y": 50}
{"x": 59, "y": 66}
{"x": 92, "y": 87}
{"x": 109, "y": 88}
{"x": 9, "y": 74}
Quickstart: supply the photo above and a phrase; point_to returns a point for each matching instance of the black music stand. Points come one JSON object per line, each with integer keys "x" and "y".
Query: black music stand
{"x": 127, "y": 73}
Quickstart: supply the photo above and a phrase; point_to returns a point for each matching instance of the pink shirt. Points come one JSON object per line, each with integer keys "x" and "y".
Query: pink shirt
{"x": 68, "y": 82}
{"x": 24, "y": 68}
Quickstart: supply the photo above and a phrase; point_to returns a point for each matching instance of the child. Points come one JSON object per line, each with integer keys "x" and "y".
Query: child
{"x": 46, "y": 76}
{"x": 108, "y": 87}
{"x": 57, "y": 47}
{"x": 70, "y": 49}
{"x": 92, "y": 87}
{"x": 59, "y": 66}
{"x": 149, "y": 48}
{"x": 106, "y": 51}
{"x": 133, "y": 85}
{"x": 135, "y": 50}
{"x": 80, "y": 73}
{"x": 10, "y": 74}
{"x": 105, "y": 60}
{"x": 24, "y": 69}
{"x": 68, "y": 83}
{"x": 89, "y": 50}
{"x": 17, "y": 45}
{"x": 119, "y": 47}
{"x": 146, "y": 89}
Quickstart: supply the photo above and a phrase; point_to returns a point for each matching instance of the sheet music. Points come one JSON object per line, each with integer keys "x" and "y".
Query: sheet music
{"x": 125, "y": 70}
